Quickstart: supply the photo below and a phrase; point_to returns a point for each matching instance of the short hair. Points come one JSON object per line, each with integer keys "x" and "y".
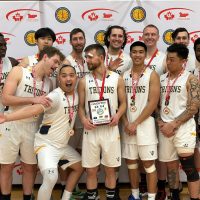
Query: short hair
{"x": 108, "y": 33}
{"x": 140, "y": 44}
{"x": 151, "y": 26}
{"x": 197, "y": 41}
{"x": 99, "y": 49}
{"x": 66, "y": 65}
{"x": 43, "y": 32}
{"x": 177, "y": 31}
{"x": 1, "y": 35}
{"x": 51, "y": 51}
{"x": 181, "y": 50}
{"x": 75, "y": 31}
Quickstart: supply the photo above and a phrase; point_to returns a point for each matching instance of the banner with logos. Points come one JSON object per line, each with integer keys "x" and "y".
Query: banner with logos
{"x": 20, "y": 20}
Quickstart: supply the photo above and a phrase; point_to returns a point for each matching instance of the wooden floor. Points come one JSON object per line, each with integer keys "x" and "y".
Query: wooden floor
{"x": 124, "y": 193}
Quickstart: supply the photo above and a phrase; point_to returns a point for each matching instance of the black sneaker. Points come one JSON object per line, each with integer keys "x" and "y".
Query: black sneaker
{"x": 161, "y": 195}
{"x": 143, "y": 189}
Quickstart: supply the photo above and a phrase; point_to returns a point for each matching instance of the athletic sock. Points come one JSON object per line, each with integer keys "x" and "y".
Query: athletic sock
{"x": 5, "y": 196}
{"x": 27, "y": 197}
{"x": 66, "y": 195}
{"x": 161, "y": 184}
{"x": 151, "y": 196}
{"x": 175, "y": 194}
{"x": 135, "y": 193}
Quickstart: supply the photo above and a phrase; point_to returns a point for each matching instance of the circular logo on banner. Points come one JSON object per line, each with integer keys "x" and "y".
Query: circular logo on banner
{"x": 99, "y": 37}
{"x": 138, "y": 14}
{"x": 29, "y": 38}
{"x": 167, "y": 36}
{"x": 62, "y": 15}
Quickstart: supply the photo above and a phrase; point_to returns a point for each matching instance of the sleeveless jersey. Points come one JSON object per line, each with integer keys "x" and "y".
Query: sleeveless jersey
{"x": 142, "y": 137}
{"x": 55, "y": 124}
{"x": 178, "y": 96}
{"x": 7, "y": 66}
{"x": 26, "y": 89}
{"x": 33, "y": 61}
{"x": 110, "y": 90}
{"x": 157, "y": 63}
{"x": 79, "y": 70}
{"x": 190, "y": 65}
{"x": 127, "y": 62}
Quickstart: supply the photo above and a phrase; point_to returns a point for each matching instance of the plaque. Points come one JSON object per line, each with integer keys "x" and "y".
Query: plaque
{"x": 100, "y": 113}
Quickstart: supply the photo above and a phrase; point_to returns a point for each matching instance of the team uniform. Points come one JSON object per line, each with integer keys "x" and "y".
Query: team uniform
{"x": 158, "y": 63}
{"x": 103, "y": 140}
{"x": 144, "y": 143}
{"x": 20, "y": 134}
{"x": 76, "y": 140}
{"x": 126, "y": 65}
{"x": 51, "y": 141}
{"x": 33, "y": 60}
{"x": 190, "y": 64}
{"x": 6, "y": 68}
{"x": 185, "y": 135}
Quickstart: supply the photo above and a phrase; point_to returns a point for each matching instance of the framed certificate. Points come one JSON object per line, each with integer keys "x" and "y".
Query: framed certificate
{"x": 100, "y": 113}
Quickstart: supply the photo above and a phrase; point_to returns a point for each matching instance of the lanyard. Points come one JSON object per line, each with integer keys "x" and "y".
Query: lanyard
{"x": 152, "y": 57}
{"x": 102, "y": 86}
{"x": 79, "y": 65}
{"x": 34, "y": 83}
{"x": 107, "y": 57}
{"x": 1, "y": 69}
{"x": 70, "y": 108}
{"x": 135, "y": 84}
{"x": 167, "y": 97}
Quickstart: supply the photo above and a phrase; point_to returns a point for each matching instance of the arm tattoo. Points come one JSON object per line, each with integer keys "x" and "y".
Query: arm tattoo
{"x": 193, "y": 102}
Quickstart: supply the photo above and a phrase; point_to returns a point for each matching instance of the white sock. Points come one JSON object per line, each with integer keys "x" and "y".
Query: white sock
{"x": 66, "y": 195}
{"x": 151, "y": 196}
{"x": 135, "y": 193}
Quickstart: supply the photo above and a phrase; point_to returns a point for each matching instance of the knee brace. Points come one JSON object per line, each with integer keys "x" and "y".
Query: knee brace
{"x": 189, "y": 168}
{"x": 150, "y": 169}
{"x": 132, "y": 166}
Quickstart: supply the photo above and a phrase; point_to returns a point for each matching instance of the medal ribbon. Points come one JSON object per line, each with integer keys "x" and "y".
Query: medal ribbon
{"x": 79, "y": 65}
{"x": 152, "y": 57}
{"x": 70, "y": 109}
{"x": 135, "y": 84}
{"x": 34, "y": 83}
{"x": 167, "y": 97}
{"x": 107, "y": 57}
{"x": 1, "y": 69}
{"x": 102, "y": 86}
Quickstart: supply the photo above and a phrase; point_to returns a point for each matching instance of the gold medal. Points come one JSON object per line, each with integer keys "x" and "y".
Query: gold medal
{"x": 71, "y": 132}
{"x": 166, "y": 110}
{"x": 133, "y": 108}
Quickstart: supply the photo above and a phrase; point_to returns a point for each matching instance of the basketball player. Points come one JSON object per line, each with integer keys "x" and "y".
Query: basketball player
{"x": 139, "y": 139}
{"x": 6, "y": 64}
{"x": 197, "y": 117}
{"x": 178, "y": 103}
{"x": 100, "y": 140}
{"x": 25, "y": 86}
{"x": 52, "y": 138}
{"x": 155, "y": 60}
{"x": 44, "y": 37}
{"x": 181, "y": 36}
{"x": 115, "y": 40}
{"x": 75, "y": 58}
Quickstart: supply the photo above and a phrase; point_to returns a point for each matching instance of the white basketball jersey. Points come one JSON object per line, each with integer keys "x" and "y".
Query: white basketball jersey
{"x": 178, "y": 96}
{"x": 79, "y": 69}
{"x": 26, "y": 89}
{"x": 7, "y": 66}
{"x": 190, "y": 65}
{"x": 126, "y": 65}
{"x": 110, "y": 90}
{"x": 145, "y": 134}
{"x": 33, "y": 60}
{"x": 55, "y": 126}
{"x": 157, "y": 64}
